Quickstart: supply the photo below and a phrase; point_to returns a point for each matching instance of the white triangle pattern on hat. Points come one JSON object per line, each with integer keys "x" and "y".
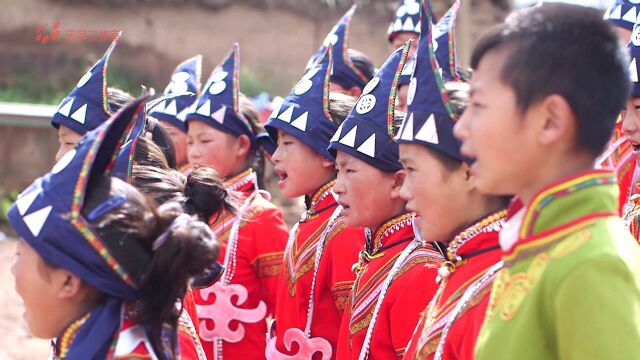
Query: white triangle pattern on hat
{"x": 350, "y": 139}
{"x": 301, "y": 121}
{"x": 407, "y": 131}
{"x": 408, "y": 25}
{"x": 397, "y": 25}
{"x": 336, "y": 136}
{"x": 65, "y": 109}
{"x": 218, "y": 115}
{"x": 429, "y": 132}
{"x": 172, "y": 108}
{"x": 616, "y": 13}
{"x": 24, "y": 202}
{"x": 277, "y": 105}
{"x": 205, "y": 108}
{"x": 631, "y": 15}
{"x": 633, "y": 70}
{"x": 369, "y": 146}
{"x": 182, "y": 115}
{"x": 80, "y": 115}
{"x": 160, "y": 107}
{"x": 286, "y": 115}
{"x": 418, "y": 28}
{"x": 35, "y": 221}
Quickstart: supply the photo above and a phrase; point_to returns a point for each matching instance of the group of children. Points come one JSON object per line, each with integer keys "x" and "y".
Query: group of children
{"x": 445, "y": 218}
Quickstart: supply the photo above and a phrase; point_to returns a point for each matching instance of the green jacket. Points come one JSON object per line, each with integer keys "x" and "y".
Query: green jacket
{"x": 570, "y": 287}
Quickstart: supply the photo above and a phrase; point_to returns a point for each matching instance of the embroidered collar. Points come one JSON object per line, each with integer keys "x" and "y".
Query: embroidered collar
{"x": 467, "y": 243}
{"x": 316, "y": 203}
{"x": 588, "y": 193}
{"x": 382, "y": 239}
{"x": 64, "y": 341}
{"x": 243, "y": 182}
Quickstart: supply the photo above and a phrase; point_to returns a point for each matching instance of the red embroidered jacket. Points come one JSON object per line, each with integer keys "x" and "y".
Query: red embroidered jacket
{"x": 412, "y": 287}
{"x": 477, "y": 253}
{"x": 334, "y": 279}
{"x": 233, "y": 314}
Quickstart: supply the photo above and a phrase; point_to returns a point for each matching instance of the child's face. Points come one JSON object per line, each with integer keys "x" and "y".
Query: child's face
{"x": 438, "y": 195}
{"x": 401, "y": 104}
{"x": 631, "y": 125}
{"x": 211, "y": 147}
{"x": 495, "y": 133}
{"x": 67, "y": 139}
{"x": 35, "y": 283}
{"x": 368, "y": 195}
{"x": 301, "y": 170}
{"x": 179, "y": 140}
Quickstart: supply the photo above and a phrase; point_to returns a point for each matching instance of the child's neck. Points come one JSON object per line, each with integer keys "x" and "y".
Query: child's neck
{"x": 553, "y": 172}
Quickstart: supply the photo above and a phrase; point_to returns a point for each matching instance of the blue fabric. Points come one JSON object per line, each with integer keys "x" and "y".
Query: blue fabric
{"x": 429, "y": 119}
{"x": 406, "y": 19}
{"x": 634, "y": 50}
{"x": 304, "y": 113}
{"x": 185, "y": 79}
{"x": 444, "y": 45}
{"x": 86, "y": 107}
{"x": 124, "y": 162}
{"x": 345, "y": 73}
{"x": 217, "y": 105}
{"x": 365, "y": 133}
{"x": 623, "y": 13}
{"x": 47, "y": 215}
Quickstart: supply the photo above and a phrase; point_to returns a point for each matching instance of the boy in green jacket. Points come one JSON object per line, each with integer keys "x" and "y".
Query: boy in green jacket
{"x": 547, "y": 86}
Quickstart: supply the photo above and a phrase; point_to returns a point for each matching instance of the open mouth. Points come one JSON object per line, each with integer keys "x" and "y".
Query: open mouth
{"x": 282, "y": 175}
{"x": 636, "y": 147}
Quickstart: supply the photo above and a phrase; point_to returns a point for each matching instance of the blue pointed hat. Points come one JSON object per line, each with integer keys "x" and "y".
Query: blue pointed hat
{"x": 444, "y": 35}
{"x": 185, "y": 80}
{"x": 304, "y": 113}
{"x": 429, "y": 120}
{"x": 367, "y": 132}
{"x": 123, "y": 166}
{"x": 345, "y": 73}
{"x": 623, "y": 13}
{"x": 634, "y": 66}
{"x": 217, "y": 105}
{"x": 86, "y": 106}
{"x": 406, "y": 19}
{"x": 47, "y": 215}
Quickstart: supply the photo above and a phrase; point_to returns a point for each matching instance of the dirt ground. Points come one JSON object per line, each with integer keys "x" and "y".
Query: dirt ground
{"x": 15, "y": 341}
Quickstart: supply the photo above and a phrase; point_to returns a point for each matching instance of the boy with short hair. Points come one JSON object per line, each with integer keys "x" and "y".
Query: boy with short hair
{"x": 542, "y": 99}
{"x": 381, "y": 313}
{"x": 316, "y": 275}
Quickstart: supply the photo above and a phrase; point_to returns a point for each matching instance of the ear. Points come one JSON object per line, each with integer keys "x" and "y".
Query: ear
{"x": 70, "y": 285}
{"x": 559, "y": 120}
{"x": 243, "y": 146}
{"x": 326, "y": 163}
{"x": 469, "y": 178}
{"x": 398, "y": 180}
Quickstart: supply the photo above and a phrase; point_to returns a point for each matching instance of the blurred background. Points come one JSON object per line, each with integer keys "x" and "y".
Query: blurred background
{"x": 47, "y": 45}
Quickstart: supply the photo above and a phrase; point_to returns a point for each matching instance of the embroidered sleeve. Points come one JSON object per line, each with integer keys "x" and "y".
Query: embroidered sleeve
{"x": 340, "y": 293}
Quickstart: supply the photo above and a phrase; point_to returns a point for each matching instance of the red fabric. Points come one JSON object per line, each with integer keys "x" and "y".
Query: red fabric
{"x": 406, "y": 297}
{"x": 261, "y": 242}
{"x": 334, "y": 278}
{"x": 462, "y": 337}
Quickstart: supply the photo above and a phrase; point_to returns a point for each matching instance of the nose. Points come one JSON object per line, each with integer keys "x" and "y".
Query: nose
{"x": 277, "y": 155}
{"x": 338, "y": 187}
{"x": 460, "y": 129}
{"x": 405, "y": 192}
{"x": 61, "y": 151}
{"x": 629, "y": 123}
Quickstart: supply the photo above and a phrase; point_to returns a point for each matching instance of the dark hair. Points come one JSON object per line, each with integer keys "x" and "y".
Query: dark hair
{"x": 162, "y": 139}
{"x": 163, "y": 275}
{"x": 117, "y": 98}
{"x": 256, "y": 158}
{"x": 201, "y": 193}
{"x": 362, "y": 63}
{"x": 567, "y": 50}
{"x": 148, "y": 153}
{"x": 340, "y": 105}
